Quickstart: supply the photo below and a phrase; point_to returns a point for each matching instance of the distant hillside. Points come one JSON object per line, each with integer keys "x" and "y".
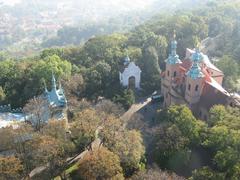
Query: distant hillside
{"x": 59, "y": 23}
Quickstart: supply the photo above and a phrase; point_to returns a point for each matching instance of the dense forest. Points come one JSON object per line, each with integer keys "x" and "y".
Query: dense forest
{"x": 173, "y": 141}
{"x": 99, "y": 59}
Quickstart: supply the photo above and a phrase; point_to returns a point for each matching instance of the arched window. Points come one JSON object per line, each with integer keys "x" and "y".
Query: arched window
{"x": 175, "y": 74}
{"x": 168, "y": 73}
{"x": 196, "y": 88}
{"x": 189, "y": 87}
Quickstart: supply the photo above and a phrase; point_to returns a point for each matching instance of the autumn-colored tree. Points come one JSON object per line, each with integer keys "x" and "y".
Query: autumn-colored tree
{"x": 83, "y": 127}
{"x": 44, "y": 151}
{"x": 206, "y": 173}
{"x": 37, "y": 110}
{"x": 2, "y": 95}
{"x": 59, "y": 130}
{"x": 110, "y": 107}
{"x": 155, "y": 174}
{"x": 128, "y": 145}
{"x": 74, "y": 86}
{"x": 10, "y": 168}
{"x": 111, "y": 128}
{"x": 100, "y": 164}
{"x": 7, "y": 138}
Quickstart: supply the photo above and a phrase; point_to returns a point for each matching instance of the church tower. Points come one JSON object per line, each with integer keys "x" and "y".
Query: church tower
{"x": 194, "y": 80}
{"x": 172, "y": 72}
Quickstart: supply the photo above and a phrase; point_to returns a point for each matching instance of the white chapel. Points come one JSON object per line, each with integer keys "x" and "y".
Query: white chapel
{"x": 130, "y": 75}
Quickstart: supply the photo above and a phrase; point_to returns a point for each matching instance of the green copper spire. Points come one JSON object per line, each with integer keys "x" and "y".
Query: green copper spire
{"x": 195, "y": 72}
{"x": 197, "y": 57}
{"x": 45, "y": 87}
{"x": 174, "y": 45}
{"x": 54, "y": 86}
{"x": 173, "y": 58}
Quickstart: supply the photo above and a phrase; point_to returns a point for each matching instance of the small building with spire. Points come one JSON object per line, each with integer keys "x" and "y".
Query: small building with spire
{"x": 56, "y": 96}
{"x": 194, "y": 81}
{"x": 130, "y": 74}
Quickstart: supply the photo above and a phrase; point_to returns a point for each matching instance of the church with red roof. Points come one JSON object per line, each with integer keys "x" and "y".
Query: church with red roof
{"x": 194, "y": 81}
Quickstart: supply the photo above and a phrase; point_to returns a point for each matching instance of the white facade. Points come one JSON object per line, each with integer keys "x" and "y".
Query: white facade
{"x": 131, "y": 71}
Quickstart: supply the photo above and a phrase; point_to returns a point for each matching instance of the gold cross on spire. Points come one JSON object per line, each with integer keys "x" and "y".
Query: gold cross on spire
{"x": 174, "y": 34}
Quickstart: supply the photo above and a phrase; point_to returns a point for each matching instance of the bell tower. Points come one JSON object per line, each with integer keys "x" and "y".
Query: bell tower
{"x": 172, "y": 71}
{"x": 194, "y": 80}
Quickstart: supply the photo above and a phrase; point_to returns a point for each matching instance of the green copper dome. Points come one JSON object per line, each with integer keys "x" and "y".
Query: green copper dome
{"x": 196, "y": 72}
{"x": 173, "y": 58}
{"x": 197, "y": 57}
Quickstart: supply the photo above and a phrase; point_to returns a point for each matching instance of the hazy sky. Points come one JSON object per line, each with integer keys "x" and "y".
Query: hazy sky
{"x": 136, "y": 3}
{"x": 10, "y": 2}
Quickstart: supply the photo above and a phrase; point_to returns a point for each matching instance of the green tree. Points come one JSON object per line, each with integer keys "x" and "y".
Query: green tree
{"x": 151, "y": 70}
{"x": 217, "y": 113}
{"x": 126, "y": 98}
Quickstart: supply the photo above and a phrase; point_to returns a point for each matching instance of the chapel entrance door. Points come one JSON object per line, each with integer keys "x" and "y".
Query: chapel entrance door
{"x": 132, "y": 82}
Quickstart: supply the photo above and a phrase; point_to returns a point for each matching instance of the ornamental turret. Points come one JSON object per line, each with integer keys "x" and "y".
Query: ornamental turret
{"x": 172, "y": 73}
{"x": 173, "y": 57}
{"x": 126, "y": 60}
{"x": 56, "y": 97}
{"x": 196, "y": 72}
{"x": 195, "y": 79}
{"x": 173, "y": 63}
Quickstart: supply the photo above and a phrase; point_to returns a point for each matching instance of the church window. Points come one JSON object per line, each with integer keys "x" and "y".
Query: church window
{"x": 168, "y": 73}
{"x": 196, "y": 88}
{"x": 175, "y": 74}
{"x": 189, "y": 87}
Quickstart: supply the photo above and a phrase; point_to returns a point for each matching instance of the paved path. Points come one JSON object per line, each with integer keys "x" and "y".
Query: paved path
{"x": 96, "y": 144}
{"x": 135, "y": 108}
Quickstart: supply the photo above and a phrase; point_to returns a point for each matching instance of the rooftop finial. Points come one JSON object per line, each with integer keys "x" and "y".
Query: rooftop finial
{"x": 54, "y": 86}
{"x": 197, "y": 57}
{"x": 45, "y": 86}
{"x": 174, "y": 34}
{"x": 173, "y": 57}
{"x": 60, "y": 84}
{"x": 174, "y": 44}
{"x": 127, "y": 59}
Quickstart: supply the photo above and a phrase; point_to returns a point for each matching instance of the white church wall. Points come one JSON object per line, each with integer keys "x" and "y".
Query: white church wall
{"x": 131, "y": 71}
